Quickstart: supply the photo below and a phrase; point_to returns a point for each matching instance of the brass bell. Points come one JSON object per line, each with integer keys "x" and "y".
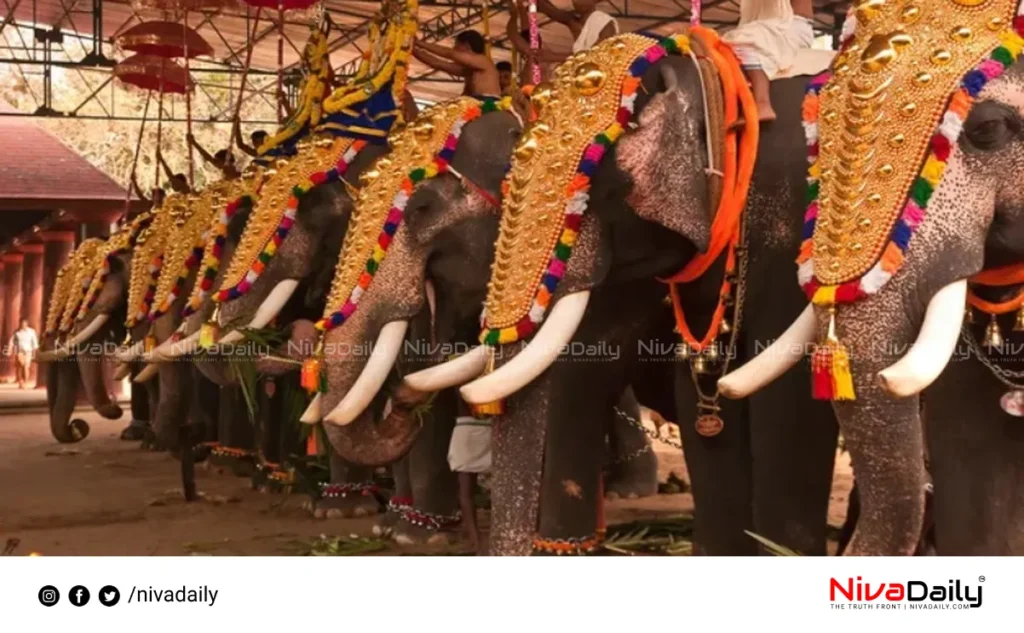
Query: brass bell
{"x": 699, "y": 365}
{"x": 725, "y": 328}
{"x": 711, "y": 353}
{"x": 993, "y": 336}
{"x": 684, "y": 351}
{"x": 969, "y": 315}
{"x": 1018, "y": 326}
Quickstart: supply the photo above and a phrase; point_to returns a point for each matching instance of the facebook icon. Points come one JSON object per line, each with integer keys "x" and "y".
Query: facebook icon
{"x": 79, "y": 596}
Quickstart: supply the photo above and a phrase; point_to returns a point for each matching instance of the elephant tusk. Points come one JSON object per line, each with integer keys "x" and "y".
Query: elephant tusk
{"x": 122, "y": 371}
{"x": 56, "y": 353}
{"x": 934, "y": 346}
{"x": 131, "y": 353}
{"x": 557, "y": 331}
{"x": 453, "y": 373}
{"x": 185, "y": 347}
{"x": 266, "y": 312}
{"x": 88, "y": 331}
{"x": 312, "y": 415}
{"x": 148, "y": 373}
{"x": 382, "y": 359}
{"x": 780, "y": 356}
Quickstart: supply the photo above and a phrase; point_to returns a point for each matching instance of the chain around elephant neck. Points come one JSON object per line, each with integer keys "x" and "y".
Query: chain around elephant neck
{"x": 649, "y": 433}
{"x": 1004, "y": 376}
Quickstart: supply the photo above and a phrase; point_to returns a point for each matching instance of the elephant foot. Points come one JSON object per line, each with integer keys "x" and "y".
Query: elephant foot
{"x": 135, "y": 431}
{"x": 347, "y": 500}
{"x": 238, "y": 461}
{"x": 423, "y": 528}
{"x": 634, "y": 477}
{"x": 110, "y": 411}
{"x": 77, "y": 430}
{"x": 385, "y": 525}
{"x": 272, "y": 478}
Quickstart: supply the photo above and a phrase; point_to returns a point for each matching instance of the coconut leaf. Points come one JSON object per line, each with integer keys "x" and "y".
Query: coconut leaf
{"x": 774, "y": 548}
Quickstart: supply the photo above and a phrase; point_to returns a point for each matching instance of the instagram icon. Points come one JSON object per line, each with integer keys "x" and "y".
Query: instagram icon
{"x": 49, "y": 596}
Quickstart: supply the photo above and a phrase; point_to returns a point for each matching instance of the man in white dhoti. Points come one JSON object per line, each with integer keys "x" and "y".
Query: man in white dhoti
{"x": 770, "y": 35}
{"x": 469, "y": 455}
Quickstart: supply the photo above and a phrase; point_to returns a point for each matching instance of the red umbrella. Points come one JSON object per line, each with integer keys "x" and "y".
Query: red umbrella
{"x": 164, "y": 39}
{"x": 182, "y": 5}
{"x": 287, "y": 5}
{"x": 151, "y": 73}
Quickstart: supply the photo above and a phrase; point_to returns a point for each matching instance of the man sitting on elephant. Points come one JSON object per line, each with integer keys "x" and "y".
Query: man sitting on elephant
{"x": 467, "y": 59}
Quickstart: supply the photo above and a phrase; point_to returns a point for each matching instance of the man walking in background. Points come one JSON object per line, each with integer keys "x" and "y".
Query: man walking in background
{"x": 23, "y": 345}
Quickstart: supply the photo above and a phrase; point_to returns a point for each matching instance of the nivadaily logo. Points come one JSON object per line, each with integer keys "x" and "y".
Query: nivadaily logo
{"x": 912, "y": 594}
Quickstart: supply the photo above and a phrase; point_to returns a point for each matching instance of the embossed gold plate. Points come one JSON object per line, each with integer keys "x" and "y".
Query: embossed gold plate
{"x": 581, "y": 102}
{"x": 878, "y": 112}
{"x": 414, "y": 146}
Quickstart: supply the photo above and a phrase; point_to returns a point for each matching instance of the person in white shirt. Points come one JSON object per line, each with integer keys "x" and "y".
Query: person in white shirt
{"x": 770, "y": 35}
{"x": 587, "y": 25}
{"x": 23, "y": 346}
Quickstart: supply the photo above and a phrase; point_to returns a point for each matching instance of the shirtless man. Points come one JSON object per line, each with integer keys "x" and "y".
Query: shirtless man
{"x": 223, "y": 160}
{"x": 178, "y": 182}
{"x": 466, "y": 59}
{"x": 588, "y": 25}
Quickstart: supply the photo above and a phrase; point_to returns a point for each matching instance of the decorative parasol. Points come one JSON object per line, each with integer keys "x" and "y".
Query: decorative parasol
{"x": 154, "y": 73}
{"x": 182, "y": 5}
{"x": 164, "y": 39}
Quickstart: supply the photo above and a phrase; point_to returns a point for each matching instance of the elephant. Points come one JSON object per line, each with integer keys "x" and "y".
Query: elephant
{"x": 900, "y": 335}
{"x": 445, "y": 243}
{"x": 647, "y": 217}
{"x": 290, "y": 292}
{"x": 91, "y": 314}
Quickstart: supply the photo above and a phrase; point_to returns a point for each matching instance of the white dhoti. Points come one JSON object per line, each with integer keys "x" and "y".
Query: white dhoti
{"x": 774, "y": 45}
{"x": 470, "y": 448}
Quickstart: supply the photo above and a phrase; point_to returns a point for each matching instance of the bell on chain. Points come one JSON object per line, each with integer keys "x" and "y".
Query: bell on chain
{"x": 993, "y": 336}
{"x": 699, "y": 365}
{"x": 969, "y": 315}
{"x": 1018, "y": 326}
{"x": 725, "y": 328}
{"x": 711, "y": 353}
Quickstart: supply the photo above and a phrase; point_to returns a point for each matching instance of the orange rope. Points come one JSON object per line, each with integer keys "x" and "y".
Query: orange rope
{"x": 1005, "y": 276}
{"x": 738, "y": 159}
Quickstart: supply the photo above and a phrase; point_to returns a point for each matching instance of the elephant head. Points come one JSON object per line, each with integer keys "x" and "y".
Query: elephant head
{"x": 426, "y": 295}
{"x": 306, "y": 253}
{"x": 897, "y": 312}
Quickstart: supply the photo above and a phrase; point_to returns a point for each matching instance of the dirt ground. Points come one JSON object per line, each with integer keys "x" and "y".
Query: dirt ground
{"x": 107, "y": 497}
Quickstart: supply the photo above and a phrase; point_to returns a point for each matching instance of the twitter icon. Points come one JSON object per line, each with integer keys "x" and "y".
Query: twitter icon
{"x": 109, "y": 596}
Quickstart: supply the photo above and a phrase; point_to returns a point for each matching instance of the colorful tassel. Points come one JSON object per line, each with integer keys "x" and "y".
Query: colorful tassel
{"x": 210, "y": 331}
{"x": 311, "y": 377}
{"x": 149, "y": 343}
{"x": 830, "y": 367}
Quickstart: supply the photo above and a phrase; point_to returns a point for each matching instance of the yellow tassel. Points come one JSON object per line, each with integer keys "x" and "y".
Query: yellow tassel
{"x": 210, "y": 331}
{"x": 149, "y": 343}
{"x": 830, "y": 366}
{"x": 488, "y": 409}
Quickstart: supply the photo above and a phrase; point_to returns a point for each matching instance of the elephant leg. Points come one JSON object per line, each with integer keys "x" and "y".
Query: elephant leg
{"x": 93, "y": 370}
{"x": 720, "y": 475}
{"x": 270, "y": 411}
{"x": 634, "y": 466}
{"x": 976, "y": 458}
{"x": 793, "y": 441}
{"x": 171, "y": 414}
{"x": 140, "y": 424}
{"x": 233, "y": 450}
{"x": 400, "y": 501}
{"x": 63, "y": 378}
{"x": 571, "y": 485}
{"x": 350, "y": 493}
{"x": 434, "y": 486}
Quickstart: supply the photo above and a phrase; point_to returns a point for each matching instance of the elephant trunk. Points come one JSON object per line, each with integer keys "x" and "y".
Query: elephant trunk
{"x": 882, "y": 432}
{"x": 171, "y": 408}
{"x": 373, "y": 443}
{"x": 92, "y": 368}
{"x": 62, "y": 382}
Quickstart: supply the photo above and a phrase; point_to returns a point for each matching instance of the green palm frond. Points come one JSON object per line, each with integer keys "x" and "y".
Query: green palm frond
{"x": 774, "y": 548}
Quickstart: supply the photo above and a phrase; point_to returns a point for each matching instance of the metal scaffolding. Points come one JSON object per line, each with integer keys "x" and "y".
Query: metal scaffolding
{"x": 35, "y": 48}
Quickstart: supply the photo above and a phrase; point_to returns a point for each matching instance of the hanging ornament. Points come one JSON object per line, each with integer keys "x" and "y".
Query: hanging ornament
{"x": 1012, "y": 403}
{"x": 210, "y": 331}
{"x": 993, "y": 335}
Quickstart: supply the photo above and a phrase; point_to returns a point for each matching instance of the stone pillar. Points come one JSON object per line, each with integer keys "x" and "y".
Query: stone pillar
{"x": 57, "y": 247}
{"x": 32, "y": 290}
{"x": 12, "y": 307}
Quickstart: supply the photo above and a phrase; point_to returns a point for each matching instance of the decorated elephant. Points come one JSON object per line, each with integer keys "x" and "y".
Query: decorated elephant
{"x": 903, "y": 211}
{"x": 645, "y": 215}
{"x": 84, "y": 318}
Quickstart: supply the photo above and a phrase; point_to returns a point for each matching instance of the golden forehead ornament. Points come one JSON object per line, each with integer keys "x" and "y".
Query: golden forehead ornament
{"x": 412, "y": 146}
{"x": 87, "y": 258}
{"x": 580, "y": 102}
{"x": 889, "y": 90}
{"x": 277, "y": 203}
{"x": 195, "y": 219}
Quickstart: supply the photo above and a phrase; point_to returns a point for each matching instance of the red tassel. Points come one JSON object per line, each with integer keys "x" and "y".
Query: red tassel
{"x": 310, "y": 375}
{"x": 821, "y": 371}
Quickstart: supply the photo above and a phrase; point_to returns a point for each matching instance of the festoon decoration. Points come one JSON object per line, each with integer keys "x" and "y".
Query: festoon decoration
{"x": 880, "y": 129}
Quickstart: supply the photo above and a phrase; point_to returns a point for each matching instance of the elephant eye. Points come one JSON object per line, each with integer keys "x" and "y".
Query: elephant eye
{"x": 991, "y": 126}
